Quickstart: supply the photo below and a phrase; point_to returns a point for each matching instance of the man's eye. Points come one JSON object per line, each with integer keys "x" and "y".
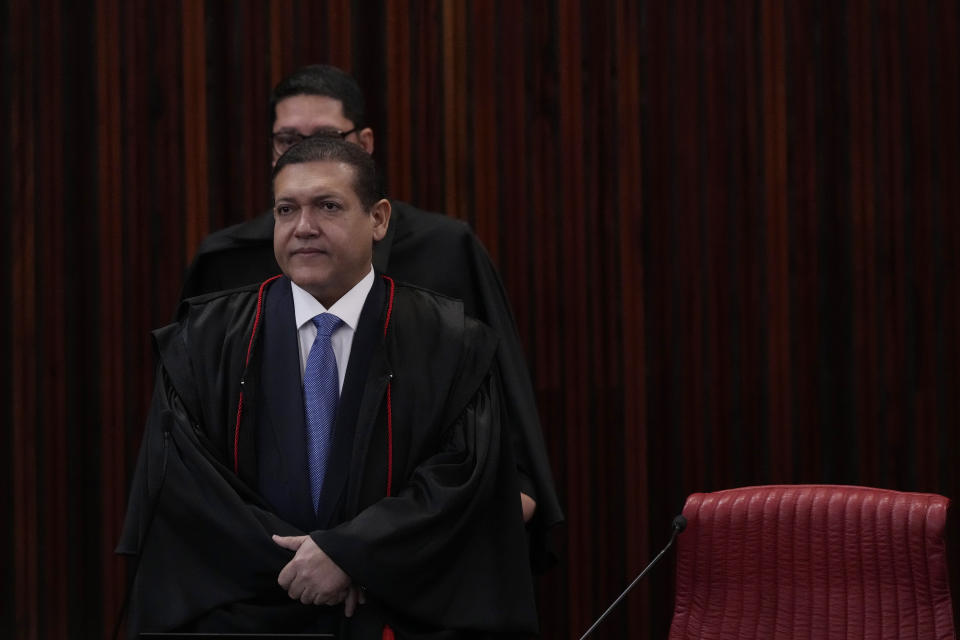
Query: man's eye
{"x": 330, "y": 206}
{"x": 283, "y": 209}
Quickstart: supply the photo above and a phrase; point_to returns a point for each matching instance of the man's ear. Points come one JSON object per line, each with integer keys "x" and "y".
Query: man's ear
{"x": 380, "y": 216}
{"x": 365, "y": 136}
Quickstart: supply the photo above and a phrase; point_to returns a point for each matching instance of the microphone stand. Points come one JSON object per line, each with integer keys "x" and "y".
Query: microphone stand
{"x": 679, "y": 524}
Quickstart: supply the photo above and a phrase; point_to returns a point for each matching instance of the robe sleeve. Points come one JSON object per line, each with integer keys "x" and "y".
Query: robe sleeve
{"x": 201, "y": 540}
{"x": 490, "y": 304}
{"x": 449, "y": 549}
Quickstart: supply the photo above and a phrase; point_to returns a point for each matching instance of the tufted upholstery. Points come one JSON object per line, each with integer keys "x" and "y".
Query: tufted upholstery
{"x": 813, "y": 561}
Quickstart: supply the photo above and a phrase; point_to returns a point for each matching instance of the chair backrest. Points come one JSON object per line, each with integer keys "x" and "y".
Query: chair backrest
{"x": 813, "y": 561}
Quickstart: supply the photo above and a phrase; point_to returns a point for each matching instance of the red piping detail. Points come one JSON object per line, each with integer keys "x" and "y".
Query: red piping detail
{"x": 389, "y": 442}
{"x": 389, "y": 304}
{"x": 253, "y": 334}
{"x": 389, "y": 413}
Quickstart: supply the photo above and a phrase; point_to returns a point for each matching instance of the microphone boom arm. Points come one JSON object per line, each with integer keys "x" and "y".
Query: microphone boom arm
{"x": 679, "y": 524}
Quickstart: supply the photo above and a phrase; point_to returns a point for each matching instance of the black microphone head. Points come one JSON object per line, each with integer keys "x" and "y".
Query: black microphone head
{"x": 679, "y": 523}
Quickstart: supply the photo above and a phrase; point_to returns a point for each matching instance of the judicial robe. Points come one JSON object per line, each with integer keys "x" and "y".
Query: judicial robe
{"x": 429, "y": 522}
{"x": 437, "y": 253}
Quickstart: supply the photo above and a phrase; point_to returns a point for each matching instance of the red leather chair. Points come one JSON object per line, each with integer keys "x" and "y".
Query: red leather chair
{"x": 813, "y": 561}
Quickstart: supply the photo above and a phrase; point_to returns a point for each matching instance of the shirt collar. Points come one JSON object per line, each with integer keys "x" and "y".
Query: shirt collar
{"x": 347, "y": 308}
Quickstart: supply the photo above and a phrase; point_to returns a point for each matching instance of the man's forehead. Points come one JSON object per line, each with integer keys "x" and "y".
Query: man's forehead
{"x": 305, "y": 179}
{"x": 310, "y": 111}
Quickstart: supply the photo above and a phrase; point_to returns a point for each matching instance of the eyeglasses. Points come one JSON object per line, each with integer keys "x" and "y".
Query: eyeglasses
{"x": 283, "y": 140}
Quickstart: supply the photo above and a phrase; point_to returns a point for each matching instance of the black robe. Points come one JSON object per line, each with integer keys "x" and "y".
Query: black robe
{"x": 441, "y": 556}
{"x": 437, "y": 253}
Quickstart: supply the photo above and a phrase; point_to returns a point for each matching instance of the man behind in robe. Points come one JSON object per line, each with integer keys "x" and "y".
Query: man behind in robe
{"x": 324, "y": 451}
{"x": 426, "y": 249}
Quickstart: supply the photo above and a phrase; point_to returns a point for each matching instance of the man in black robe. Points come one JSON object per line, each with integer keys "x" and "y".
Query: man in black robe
{"x": 417, "y": 517}
{"x": 427, "y": 249}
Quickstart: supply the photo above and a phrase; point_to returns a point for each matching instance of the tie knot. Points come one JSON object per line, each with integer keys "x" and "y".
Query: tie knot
{"x": 326, "y": 323}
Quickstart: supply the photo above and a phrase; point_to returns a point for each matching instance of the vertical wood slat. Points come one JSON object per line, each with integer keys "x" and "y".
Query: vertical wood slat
{"x": 601, "y": 340}
{"x": 712, "y": 209}
{"x": 51, "y": 337}
{"x": 427, "y": 125}
{"x": 483, "y": 125}
{"x": 948, "y": 200}
{"x": 802, "y": 171}
{"x": 309, "y": 35}
{"x": 635, "y": 504}
{"x": 777, "y": 240}
{"x": 399, "y": 161}
{"x": 340, "y": 20}
{"x": 218, "y": 23}
{"x": 281, "y": 41}
{"x": 733, "y": 161}
{"x": 454, "y": 109}
{"x": 543, "y": 207}
{"x": 113, "y": 474}
{"x": 889, "y": 415}
{"x": 194, "y": 61}
{"x": 139, "y": 256}
{"x": 9, "y": 95}
{"x": 544, "y": 201}
{"x": 167, "y": 156}
{"x": 514, "y": 193}
{"x": 886, "y": 203}
{"x": 862, "y": 216}
{"x": 684, "y": 128}
{"x": 23, "y": 340}
{"x": 572, "y": 272}
{"x": 257, "y": 75}
{"x": 835, "y": 356}
{"x": 752, "y": 389}
{"x": 920, "y": 237}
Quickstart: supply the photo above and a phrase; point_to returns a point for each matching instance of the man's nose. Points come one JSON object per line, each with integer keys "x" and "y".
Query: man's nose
{"x": 308, "y": 222}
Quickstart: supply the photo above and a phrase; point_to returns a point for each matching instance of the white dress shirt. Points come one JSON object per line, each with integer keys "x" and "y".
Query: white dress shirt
{"x": 347, "y": 308}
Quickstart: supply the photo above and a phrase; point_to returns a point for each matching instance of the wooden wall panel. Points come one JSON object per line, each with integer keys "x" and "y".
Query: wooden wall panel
{"x": 8, "y": 575}
{"x": 728, "y": 232}
{"x": 112, "y": 391}
{"x": 23, "y": 382}
{"x": 629, "y": 184}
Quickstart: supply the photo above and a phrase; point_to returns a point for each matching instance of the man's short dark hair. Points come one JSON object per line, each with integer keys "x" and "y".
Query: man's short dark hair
{"x": 322, "y": 80}
{"x": 334, "y": 149}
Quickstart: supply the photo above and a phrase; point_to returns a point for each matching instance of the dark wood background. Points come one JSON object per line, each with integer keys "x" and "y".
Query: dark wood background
{"x": 728, "y": 229}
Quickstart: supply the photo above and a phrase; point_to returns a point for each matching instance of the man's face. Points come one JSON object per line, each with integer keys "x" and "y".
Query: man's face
{"x": 322, "y": 236}
{"x": 307, "y": 115}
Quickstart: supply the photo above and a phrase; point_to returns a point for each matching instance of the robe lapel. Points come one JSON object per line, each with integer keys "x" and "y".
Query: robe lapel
{"x": 370, "y": 444}
{"x": 281, "y": 433}
{"x": 367, "y": 337}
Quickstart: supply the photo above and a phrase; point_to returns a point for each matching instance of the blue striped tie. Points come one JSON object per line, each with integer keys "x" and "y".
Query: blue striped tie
{"x": 321, "y": 392}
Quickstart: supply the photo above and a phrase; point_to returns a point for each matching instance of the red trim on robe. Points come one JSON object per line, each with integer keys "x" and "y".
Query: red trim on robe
{"x": 253, "y": 334}
{"x": 389, "y": 398}
{"x": 387, "y": 631}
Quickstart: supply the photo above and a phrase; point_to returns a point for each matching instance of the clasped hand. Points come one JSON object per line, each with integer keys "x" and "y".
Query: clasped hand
{"x": 313, "y": 578}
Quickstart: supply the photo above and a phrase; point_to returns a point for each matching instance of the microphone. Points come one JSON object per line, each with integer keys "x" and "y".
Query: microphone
{"x": 679, "y": 524}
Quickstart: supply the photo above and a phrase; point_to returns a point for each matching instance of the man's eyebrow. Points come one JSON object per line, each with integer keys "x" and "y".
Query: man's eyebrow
{"x": 320, "y": 195}
{"x": 327, "y": 195}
